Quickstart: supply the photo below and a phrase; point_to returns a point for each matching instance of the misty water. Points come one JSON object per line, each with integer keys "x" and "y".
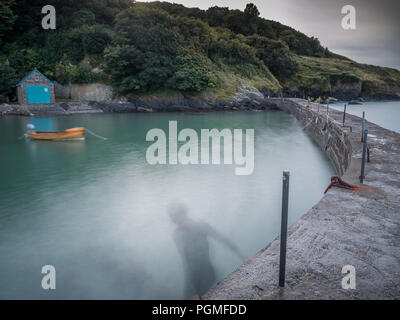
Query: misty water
{"x": 97, "y": 211}
{"x": 384, "y": 113}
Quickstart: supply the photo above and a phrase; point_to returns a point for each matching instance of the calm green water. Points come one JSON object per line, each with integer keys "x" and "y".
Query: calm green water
{"x": 384, "y": 113}
{"x": 96, "y": 210}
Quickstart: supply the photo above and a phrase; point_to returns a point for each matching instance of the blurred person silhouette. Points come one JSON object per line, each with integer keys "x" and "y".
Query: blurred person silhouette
{"x": 192, "y": 241}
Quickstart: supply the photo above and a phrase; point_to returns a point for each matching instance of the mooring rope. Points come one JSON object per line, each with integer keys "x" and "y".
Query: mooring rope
{"x": 96, "y": 135}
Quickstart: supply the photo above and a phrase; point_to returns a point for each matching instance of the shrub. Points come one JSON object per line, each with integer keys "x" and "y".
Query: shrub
{"x": 69, "y": 73}
{"x": 192, "y": 74}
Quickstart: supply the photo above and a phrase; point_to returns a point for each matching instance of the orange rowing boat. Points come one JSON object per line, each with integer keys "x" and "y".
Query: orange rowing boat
{"x": 69, "y": 134}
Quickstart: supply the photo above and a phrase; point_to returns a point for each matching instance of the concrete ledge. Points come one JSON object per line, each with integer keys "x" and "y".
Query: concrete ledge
{"x": 345, "y": 228}
{"x": 49, "y": 109}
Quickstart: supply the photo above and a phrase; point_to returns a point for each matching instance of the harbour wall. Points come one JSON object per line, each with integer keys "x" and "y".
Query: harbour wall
{"x": 345, "y": 228}
{"x": 327, "y": 133}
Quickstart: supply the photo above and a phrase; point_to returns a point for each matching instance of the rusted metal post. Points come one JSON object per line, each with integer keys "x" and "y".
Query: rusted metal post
{"x": 364, "y": 151}
{"x": 284, "y": 223}
{"x": 363, "y": 126}
{"x": 344, "y": 114}
{"x": 368, "y": 154}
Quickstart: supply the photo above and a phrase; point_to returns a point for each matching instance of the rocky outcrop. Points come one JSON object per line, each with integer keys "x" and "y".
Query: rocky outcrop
{"x": 367, "y": 90}
{"x": 371, "y": 90}
{"x": 14, "y": 109}
{"x": 346, "y": 91}
{"x": 97, "y": 98}
{"x": 341, "y": 91}
{"x": 53, "y": 109}
{"x": 246, "y": 98}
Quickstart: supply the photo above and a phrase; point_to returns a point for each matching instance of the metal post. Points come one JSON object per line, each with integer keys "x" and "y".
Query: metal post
{"x": 344, "y": 114}
{"x": 362, "y": 126}
{"x": 364, "y": 151}
{"x": 327, "y": 108}
{"x": 284, "y": 222}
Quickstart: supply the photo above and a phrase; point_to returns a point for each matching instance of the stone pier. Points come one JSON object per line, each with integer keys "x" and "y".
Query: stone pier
{"x": 358, "y": 228}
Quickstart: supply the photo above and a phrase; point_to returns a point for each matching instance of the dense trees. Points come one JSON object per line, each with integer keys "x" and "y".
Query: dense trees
{"x": 251, "y": 10}
{"x": 8, "y": 80}
{"x": 275, "y": 54}
{"x": 145, "y": 46}
{"x": 155, "y": 49}
{"x": 7, "y": 17}
{"x": 172, "y": 49}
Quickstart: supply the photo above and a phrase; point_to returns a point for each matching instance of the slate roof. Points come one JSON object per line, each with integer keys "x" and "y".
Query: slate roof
{"x": 29, "y": 74}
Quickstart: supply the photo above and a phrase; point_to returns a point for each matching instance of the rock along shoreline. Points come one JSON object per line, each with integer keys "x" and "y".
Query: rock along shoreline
{"x": 244, "y": 99}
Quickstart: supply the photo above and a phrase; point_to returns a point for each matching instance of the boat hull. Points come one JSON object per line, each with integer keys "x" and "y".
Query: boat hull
{"x": 69, "y": 134}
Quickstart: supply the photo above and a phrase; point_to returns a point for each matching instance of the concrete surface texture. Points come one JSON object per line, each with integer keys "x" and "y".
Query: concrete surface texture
{"x": 358, "y": 228}
{"x": 91, "y": 92}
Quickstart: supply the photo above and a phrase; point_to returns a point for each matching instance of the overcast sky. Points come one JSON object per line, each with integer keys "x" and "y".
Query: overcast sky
{"x": 376, "y": 39}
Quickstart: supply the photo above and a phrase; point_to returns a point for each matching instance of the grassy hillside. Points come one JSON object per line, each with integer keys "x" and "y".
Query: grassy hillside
{"x": 319, "y": 76}
{"x": 163, "y": 47}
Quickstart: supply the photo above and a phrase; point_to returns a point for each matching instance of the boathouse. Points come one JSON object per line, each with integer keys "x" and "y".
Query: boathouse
{"x": 35, "y": 87}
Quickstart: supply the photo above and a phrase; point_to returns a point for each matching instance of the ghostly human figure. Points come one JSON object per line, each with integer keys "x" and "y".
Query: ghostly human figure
{"x": 192, "y": 240}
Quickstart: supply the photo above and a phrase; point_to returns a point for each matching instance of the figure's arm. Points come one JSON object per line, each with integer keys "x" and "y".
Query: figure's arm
{"x": 224, "y": 240}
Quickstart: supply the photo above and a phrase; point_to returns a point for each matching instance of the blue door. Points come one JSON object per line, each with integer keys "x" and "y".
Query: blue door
{"x": 38, "y": 94}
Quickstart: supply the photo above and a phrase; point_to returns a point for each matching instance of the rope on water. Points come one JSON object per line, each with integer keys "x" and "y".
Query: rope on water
{"x": 96, "y": 135}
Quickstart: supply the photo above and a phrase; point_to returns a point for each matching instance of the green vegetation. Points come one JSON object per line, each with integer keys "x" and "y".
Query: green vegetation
{"x": 325, "y": 73}
{"x": 164, "y": 47}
